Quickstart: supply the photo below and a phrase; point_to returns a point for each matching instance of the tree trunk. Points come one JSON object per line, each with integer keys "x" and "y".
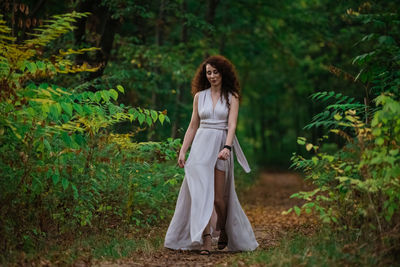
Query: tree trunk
{"x": 181, "y": 87}
{"x": 107, "y": 32}
{"x": 80, "y": 31}
{"x": 262, "y": 130}
{"x": 160, "y": 24}
{"x": 105, "y": 27}
{"x": 210, "y": 15}
{"x": 159, "y": 40}
{"x": 212, "y": 6}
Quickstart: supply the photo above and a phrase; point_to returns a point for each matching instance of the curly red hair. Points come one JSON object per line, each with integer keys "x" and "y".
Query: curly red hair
{"x": 230, "y": 82}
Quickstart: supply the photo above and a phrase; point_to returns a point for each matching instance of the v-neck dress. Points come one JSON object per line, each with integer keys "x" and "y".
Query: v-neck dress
{"x": 195, "y": 203}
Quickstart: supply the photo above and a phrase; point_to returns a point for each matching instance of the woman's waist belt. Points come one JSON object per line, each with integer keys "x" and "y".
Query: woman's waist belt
{"x": 223, "y": 125}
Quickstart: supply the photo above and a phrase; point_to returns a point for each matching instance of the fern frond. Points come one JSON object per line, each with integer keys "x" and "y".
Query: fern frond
{"x": 5, "y": 31}
{"x": 23, "y": 63}
{"x": 343, "y": 134}
{"x": 346, "y": 106}
{"x": 342, "y": 103}
{"x": 54, "y": 28}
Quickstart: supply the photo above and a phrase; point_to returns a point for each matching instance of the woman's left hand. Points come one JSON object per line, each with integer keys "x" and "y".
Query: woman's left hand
{"x": 224, "y": 154}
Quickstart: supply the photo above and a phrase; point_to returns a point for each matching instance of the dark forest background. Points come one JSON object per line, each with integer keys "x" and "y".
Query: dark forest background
{"x": 95, "y": 100}
{"x": 283, "y": 51}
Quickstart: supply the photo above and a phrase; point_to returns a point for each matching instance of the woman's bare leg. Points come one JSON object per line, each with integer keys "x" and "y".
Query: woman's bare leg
{"x": 220, "y": 206}
{"x": 206, "y": 240}
{"x": 207, "y": 229}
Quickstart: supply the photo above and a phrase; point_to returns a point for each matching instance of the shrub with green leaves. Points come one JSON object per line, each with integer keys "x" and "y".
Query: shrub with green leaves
{"x": 62, "y": 168}
{"x": 357, "y": 186}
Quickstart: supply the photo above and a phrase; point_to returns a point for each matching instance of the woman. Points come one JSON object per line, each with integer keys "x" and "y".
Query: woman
{"x": 209, "y": 180}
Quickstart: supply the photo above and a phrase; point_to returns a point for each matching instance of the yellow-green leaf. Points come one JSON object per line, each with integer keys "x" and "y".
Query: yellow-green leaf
{"x": 297, "y": 210}
{"x": 350, "y": 118}
{"x": 379, "y": 141}
{"x": 161, "y": 118}
{"x": 55, "y": 178}
{"x": 40, "y": 65}
{"x": 376, "y": 131}
{"x": 141, "y": 118}
{"x": 149, "y": 121}
{"x": 309, "y": 146}
{"x": 105, "y": 95}
{"x": 287, "y": 211}
{"x": 45, "y": 109}
{"x": 113, "y": 94}
{"x": 65, "y": 183}
{"x": 153, "y": 115}
{"x": 120, "y": 88}
{"x": 78, "y": 108}
{"x": 67, "y": 107}
{"x": 337, "y": 117}
{"x": 97, "y": 96}
{"x": 301, "y": 140}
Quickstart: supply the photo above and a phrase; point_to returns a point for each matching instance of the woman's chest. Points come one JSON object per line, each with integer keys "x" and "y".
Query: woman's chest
{"x": 209, "y": 109}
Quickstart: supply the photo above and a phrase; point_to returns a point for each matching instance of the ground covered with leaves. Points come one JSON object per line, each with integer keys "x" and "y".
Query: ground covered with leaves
{"x": 263, "y": 203}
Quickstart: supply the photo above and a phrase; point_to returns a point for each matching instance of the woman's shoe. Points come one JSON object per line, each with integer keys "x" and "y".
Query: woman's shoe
{"x": 205, "y": 251}
{"x": 222, "y": 240}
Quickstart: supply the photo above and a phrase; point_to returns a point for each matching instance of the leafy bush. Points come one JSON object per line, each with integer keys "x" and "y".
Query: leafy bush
{"x": 357, "y": 187}
{"x": 62, "y": 168}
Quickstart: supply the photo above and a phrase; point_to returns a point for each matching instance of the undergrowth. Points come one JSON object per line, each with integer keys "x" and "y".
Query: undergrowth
{"x": 324, "y": 248}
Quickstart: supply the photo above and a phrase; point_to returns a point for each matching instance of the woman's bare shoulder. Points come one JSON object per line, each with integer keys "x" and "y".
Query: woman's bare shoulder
{"x": 233, "y": 97}
{"x": 198, "y": 94}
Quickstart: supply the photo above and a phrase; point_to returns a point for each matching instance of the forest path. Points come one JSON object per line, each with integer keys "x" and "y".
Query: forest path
{"x": 263, "y": 203}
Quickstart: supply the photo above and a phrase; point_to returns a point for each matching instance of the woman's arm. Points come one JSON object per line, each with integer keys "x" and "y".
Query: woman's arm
{"x": 232, "y": 121}
{"x": 190, "y": 132}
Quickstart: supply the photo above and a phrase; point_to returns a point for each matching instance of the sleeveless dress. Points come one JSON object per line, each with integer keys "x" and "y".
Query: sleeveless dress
{"x": 195, "y": 203}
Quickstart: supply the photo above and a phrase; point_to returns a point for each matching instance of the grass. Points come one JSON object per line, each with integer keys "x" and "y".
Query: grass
{"x": 324, "y": 248}
{"x": 117, "y": 248}
{"x": 108, "y": 245}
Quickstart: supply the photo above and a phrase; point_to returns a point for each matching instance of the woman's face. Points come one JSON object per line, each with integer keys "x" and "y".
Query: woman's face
{"x": 213, "y": 75}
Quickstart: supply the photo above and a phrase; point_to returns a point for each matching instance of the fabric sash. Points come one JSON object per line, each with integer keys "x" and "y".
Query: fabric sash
{"x": 223, "y": 125}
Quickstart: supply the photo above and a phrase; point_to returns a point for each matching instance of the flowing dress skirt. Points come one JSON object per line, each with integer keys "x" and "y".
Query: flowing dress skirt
{"x": 195, "y": 203}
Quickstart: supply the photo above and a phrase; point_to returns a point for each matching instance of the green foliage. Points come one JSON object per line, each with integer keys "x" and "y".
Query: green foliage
{"x": 357, "y": 187}
{"x": 323, "y": 248}
{"x": 379, "y": 63}
{"x": 62, "y": 168}
{"x": 327, "y": 118}
{"x": 160, "y": 76}
{"x": 360, "y": 178}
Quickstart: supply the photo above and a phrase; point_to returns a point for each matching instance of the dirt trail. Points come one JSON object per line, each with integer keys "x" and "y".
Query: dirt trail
{"x": 263, "y": 204}
{"x": 266, "y": 201}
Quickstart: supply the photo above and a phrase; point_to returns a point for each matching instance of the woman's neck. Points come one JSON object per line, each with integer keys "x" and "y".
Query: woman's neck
{"x": 216, "y": 89}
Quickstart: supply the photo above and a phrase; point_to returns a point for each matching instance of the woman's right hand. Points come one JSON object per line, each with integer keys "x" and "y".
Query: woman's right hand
{"x": 181, "y": 159}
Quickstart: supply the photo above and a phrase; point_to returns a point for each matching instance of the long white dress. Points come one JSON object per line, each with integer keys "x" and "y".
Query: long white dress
{"x": 195, "y": 203}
